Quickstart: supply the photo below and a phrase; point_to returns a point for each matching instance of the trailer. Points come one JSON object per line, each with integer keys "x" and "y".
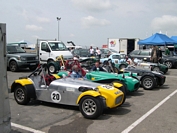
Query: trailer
{"x": 123, "y": 45}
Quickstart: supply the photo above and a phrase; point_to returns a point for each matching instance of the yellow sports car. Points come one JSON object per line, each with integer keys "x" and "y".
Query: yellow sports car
{"x": 92, "y": 98}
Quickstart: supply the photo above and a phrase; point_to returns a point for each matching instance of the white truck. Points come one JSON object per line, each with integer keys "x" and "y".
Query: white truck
{"x": 123, "y": 45}
{"x": 49, "y": 50}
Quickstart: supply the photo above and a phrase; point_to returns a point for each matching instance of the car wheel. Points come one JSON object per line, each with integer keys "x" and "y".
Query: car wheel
{"x": 21, "y": 96}
{"x": 32, "y": 68}
{"x": 52, "y": 68}
{"x": 122, "y": 66}
{"x": 13, "y": 66}
{"x": 148, "y": 83}
{"x": 157, "y": 69}
{"x": 168, "y": 64}
{"x": 91, "y": 107}
{"x": 123, "y": 89}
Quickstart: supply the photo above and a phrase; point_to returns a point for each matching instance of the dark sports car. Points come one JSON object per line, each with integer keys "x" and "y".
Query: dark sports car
{"x": 148, "y": 79}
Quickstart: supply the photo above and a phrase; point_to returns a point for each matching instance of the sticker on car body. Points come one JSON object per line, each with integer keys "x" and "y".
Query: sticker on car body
{"x": 107, "y": 87}
{"x": 70, "y": 89}
{"x": 56, "y": 96}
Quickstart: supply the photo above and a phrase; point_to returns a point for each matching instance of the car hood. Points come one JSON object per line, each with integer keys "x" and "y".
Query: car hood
{"x": 24, "y": 54}
{"x": 71, "y": 82}
{"x": 98, "y": 75}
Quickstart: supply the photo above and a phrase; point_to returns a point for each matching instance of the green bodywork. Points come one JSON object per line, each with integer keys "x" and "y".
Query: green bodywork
{"x": 163, "y": 68}
{"x": 131, "y": 83}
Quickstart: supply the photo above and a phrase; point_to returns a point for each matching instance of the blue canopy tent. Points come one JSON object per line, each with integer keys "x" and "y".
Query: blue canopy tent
{"x": 157, "y": 39}
{"x": 174, "y": 38}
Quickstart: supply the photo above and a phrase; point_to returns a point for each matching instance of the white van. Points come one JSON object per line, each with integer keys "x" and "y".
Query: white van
{"x": 49, "y": 50}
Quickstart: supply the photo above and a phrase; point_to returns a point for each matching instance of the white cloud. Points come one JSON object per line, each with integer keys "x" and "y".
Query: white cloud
{"x": 33, "y": 28}
{"x": 166, "y": 22}
{"x": 43, "y": 20}
{"x": 91, "y": 21}
{"x": 93, "y": 5}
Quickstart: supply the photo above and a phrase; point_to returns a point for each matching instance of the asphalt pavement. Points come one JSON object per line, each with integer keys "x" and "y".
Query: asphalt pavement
{"x": 147, "y": 111}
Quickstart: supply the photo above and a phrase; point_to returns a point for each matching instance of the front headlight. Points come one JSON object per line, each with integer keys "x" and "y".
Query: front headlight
{"x": 23, "y": 58}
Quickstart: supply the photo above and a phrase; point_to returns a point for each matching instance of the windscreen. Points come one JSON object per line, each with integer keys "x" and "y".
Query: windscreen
{"x": 15, "y": 49}
{"x": 58, "y": 46}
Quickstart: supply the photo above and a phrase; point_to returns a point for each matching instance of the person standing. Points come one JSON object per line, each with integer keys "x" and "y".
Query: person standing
{"x": 98, "y": 52}
{"x": 154, "y": 55}
{"x": 91, "y": 51}
{"x": 160, "y": 55}
{"x": 167, "y": 51}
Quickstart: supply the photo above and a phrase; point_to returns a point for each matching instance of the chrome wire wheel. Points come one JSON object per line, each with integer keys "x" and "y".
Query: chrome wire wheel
{"x": 168, "y": 64}
{"x": 89, "y": 106}
{"x": 148, "y": 83}
{"x": 52, "y": 69}
{"x": 157, "y": 69}
{"x": 20, "y": 94}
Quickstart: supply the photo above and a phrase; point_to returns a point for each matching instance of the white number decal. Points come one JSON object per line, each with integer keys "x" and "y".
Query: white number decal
{"x": 55, "y": 96}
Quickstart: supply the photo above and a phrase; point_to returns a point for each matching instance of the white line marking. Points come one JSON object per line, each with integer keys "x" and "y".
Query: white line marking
{"x": 133, "y": 125}
{"x": 26, "y": 128}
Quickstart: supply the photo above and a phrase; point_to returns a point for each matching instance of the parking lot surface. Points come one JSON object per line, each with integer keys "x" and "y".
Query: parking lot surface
{"x": 148, "y": 111}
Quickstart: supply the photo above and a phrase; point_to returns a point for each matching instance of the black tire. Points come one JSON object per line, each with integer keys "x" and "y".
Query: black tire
{"x": 169, "y": 64}
{"x": 123, "y": 89}
{"x": 148, "y": 82}
{"x": 155, "y": 68}
{"x": 52, "y": 68}
{"x": 96, "y": 111}
{"x": 21, "y": 96}
{"x": 13, "y": 66}
{"x": 32, "y": 68}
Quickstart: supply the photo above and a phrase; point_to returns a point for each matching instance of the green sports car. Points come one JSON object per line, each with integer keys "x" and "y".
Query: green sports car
{"x": 132, "y": 84}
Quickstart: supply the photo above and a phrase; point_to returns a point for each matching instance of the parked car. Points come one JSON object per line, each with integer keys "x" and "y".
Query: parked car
{"x": 105, "y": 52}
{"x": 117, "y": 59}
{"x": 148, "y": 79}
{"x": 81, "y": 53}
{"x": 18, "y": 58}
{"x": 92, "y": 98}
{"x": 151, "y": 66}
{"x": 170, "y": 61}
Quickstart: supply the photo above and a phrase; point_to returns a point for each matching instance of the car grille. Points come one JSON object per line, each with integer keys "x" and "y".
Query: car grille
{"x": 31, "y": 58}
{"x": 119, "y": 99}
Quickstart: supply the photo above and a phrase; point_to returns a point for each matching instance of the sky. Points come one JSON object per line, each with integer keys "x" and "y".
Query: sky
{"x": 87, "y": 22}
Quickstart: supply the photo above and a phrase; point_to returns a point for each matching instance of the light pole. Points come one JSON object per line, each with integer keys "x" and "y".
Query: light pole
{"x": 58, "y": 19}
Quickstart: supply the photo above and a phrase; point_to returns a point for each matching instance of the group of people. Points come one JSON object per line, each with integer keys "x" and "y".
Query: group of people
{"x": 156, "y": 54}
{"x": 93, "y": 52}
{"x": 76, "y": 73}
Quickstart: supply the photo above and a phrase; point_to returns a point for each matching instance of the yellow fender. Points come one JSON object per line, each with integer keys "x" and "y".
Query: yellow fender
{"x": 56, "y": 76}
{"x": 23, "y": 82}
{"x": 117, "y": 85}
{"x": 88, "y": 93}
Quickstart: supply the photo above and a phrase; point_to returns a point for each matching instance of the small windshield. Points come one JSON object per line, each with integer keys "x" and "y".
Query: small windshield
{"x": 58, "y": 46}
{"x": 116, "y": 57}
{"x": 15, "y": 49}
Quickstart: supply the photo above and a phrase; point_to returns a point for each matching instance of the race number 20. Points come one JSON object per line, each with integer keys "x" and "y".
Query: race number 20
{"x": 56, "y": 96}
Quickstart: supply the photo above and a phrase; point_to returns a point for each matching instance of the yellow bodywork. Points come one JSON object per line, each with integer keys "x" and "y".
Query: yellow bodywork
{"x": 56, "y": 76}
{"x": 88, "y": 93}
{"x": 23, "y": 82}
{"x": 110, "y": 94}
